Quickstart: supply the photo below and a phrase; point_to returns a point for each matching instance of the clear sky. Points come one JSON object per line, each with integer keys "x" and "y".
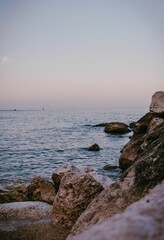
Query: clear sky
{"x": 80, "y": 52}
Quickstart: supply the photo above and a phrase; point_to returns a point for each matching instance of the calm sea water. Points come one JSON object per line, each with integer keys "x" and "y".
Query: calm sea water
{"x": 35, "y": 143}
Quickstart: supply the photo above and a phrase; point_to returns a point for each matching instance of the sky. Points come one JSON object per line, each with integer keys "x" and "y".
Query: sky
{"x": 90, "y": 53}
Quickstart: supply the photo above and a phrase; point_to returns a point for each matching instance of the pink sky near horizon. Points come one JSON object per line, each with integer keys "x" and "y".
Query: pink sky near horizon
{"x": 80, "y": 53}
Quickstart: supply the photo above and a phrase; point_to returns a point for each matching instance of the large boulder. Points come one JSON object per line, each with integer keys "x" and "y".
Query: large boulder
{"x": 27, "y": 220}
{"x": 77, "y": 188}
{"x": 143, "y": 130}
{"x": 31, "y": 211}
{"x": 157, "y": 103}
{"x": 42, "y": 190}
{"x": 142, "y": 220}
{"x": 145, "y": 173}
{"x": 116, "y": 128}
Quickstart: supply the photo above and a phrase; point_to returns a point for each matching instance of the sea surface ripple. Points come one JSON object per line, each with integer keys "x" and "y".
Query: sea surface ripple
{"x": 35, "y": 143}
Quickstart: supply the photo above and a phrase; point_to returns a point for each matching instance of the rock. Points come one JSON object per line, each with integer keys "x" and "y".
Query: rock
{"x": 103, "y": 180}
{"x": 41, "y": 190}
{"x": 116, "y": 128}
{"x": 94, "y": 147}
{"x": 130, "y": 152}
{"x": 145, "y": 173}
{"x": 14, "y": 191}
{"x": 142, "y": 130}
{"x": 33, "y": 211}
{"x": 56, "y": 178}
{"x": 157, "y": 103}
{"x": 100, "y": 125}
{"x": 76, "y": 190}
{"x": 28, "y": 220}
{"x": 142, "y": 220}
{"x": 110, "y": 168}
{"x": 67, "y": 169}
{"x": 15, "y": 195}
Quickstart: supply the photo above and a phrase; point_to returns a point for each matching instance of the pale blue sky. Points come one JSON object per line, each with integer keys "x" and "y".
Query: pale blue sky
{"x": 80, "y": 53}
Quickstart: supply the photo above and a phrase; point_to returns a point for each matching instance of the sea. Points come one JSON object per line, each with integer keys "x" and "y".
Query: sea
{"x": 35, "y": 143}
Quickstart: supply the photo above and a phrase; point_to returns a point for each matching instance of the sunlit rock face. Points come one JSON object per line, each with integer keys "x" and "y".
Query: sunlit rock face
{"x": 157, "y": 103}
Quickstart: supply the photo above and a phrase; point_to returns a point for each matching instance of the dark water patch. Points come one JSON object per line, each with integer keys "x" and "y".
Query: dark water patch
{"x": 60, "y": 151}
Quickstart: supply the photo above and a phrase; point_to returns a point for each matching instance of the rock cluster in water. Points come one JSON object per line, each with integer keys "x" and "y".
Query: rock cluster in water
{"x": 89, "y": 206}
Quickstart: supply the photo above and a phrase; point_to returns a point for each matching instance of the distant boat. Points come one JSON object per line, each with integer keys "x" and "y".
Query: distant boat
{"x": 42, "y": 108}
{"x": 14, "y": 109}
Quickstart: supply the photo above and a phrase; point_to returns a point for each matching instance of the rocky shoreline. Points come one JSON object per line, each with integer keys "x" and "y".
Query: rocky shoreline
{"x": 80, "y": 204}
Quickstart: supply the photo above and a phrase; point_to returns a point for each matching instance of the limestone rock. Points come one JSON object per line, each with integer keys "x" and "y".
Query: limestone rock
{"x": 41, "y": 190}
{"x": 67, "y": 169}
{"x": 103, "y": 180}
{"x": 116, "y": 128}
{"x": 157, "y": 103}
{"x": 25, "y": 211}
{"x": 142, "y": 129}
{"x": 145, "y": 173}
{"x": 94, "y": 147}
{"x": 130, "y": 152}
{"x": 28, "y": 220}
{"x": 14, "y": 195}
{"x": 77, "y": 189}
{"x": 142, "y": 220}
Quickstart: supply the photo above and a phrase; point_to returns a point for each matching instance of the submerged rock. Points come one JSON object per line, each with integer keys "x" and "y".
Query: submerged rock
{"x": 100, "y": 125}
{"x": 94, "y": 147}
{"x": 116, "y": 128}
{"x": 41, "y": 190}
